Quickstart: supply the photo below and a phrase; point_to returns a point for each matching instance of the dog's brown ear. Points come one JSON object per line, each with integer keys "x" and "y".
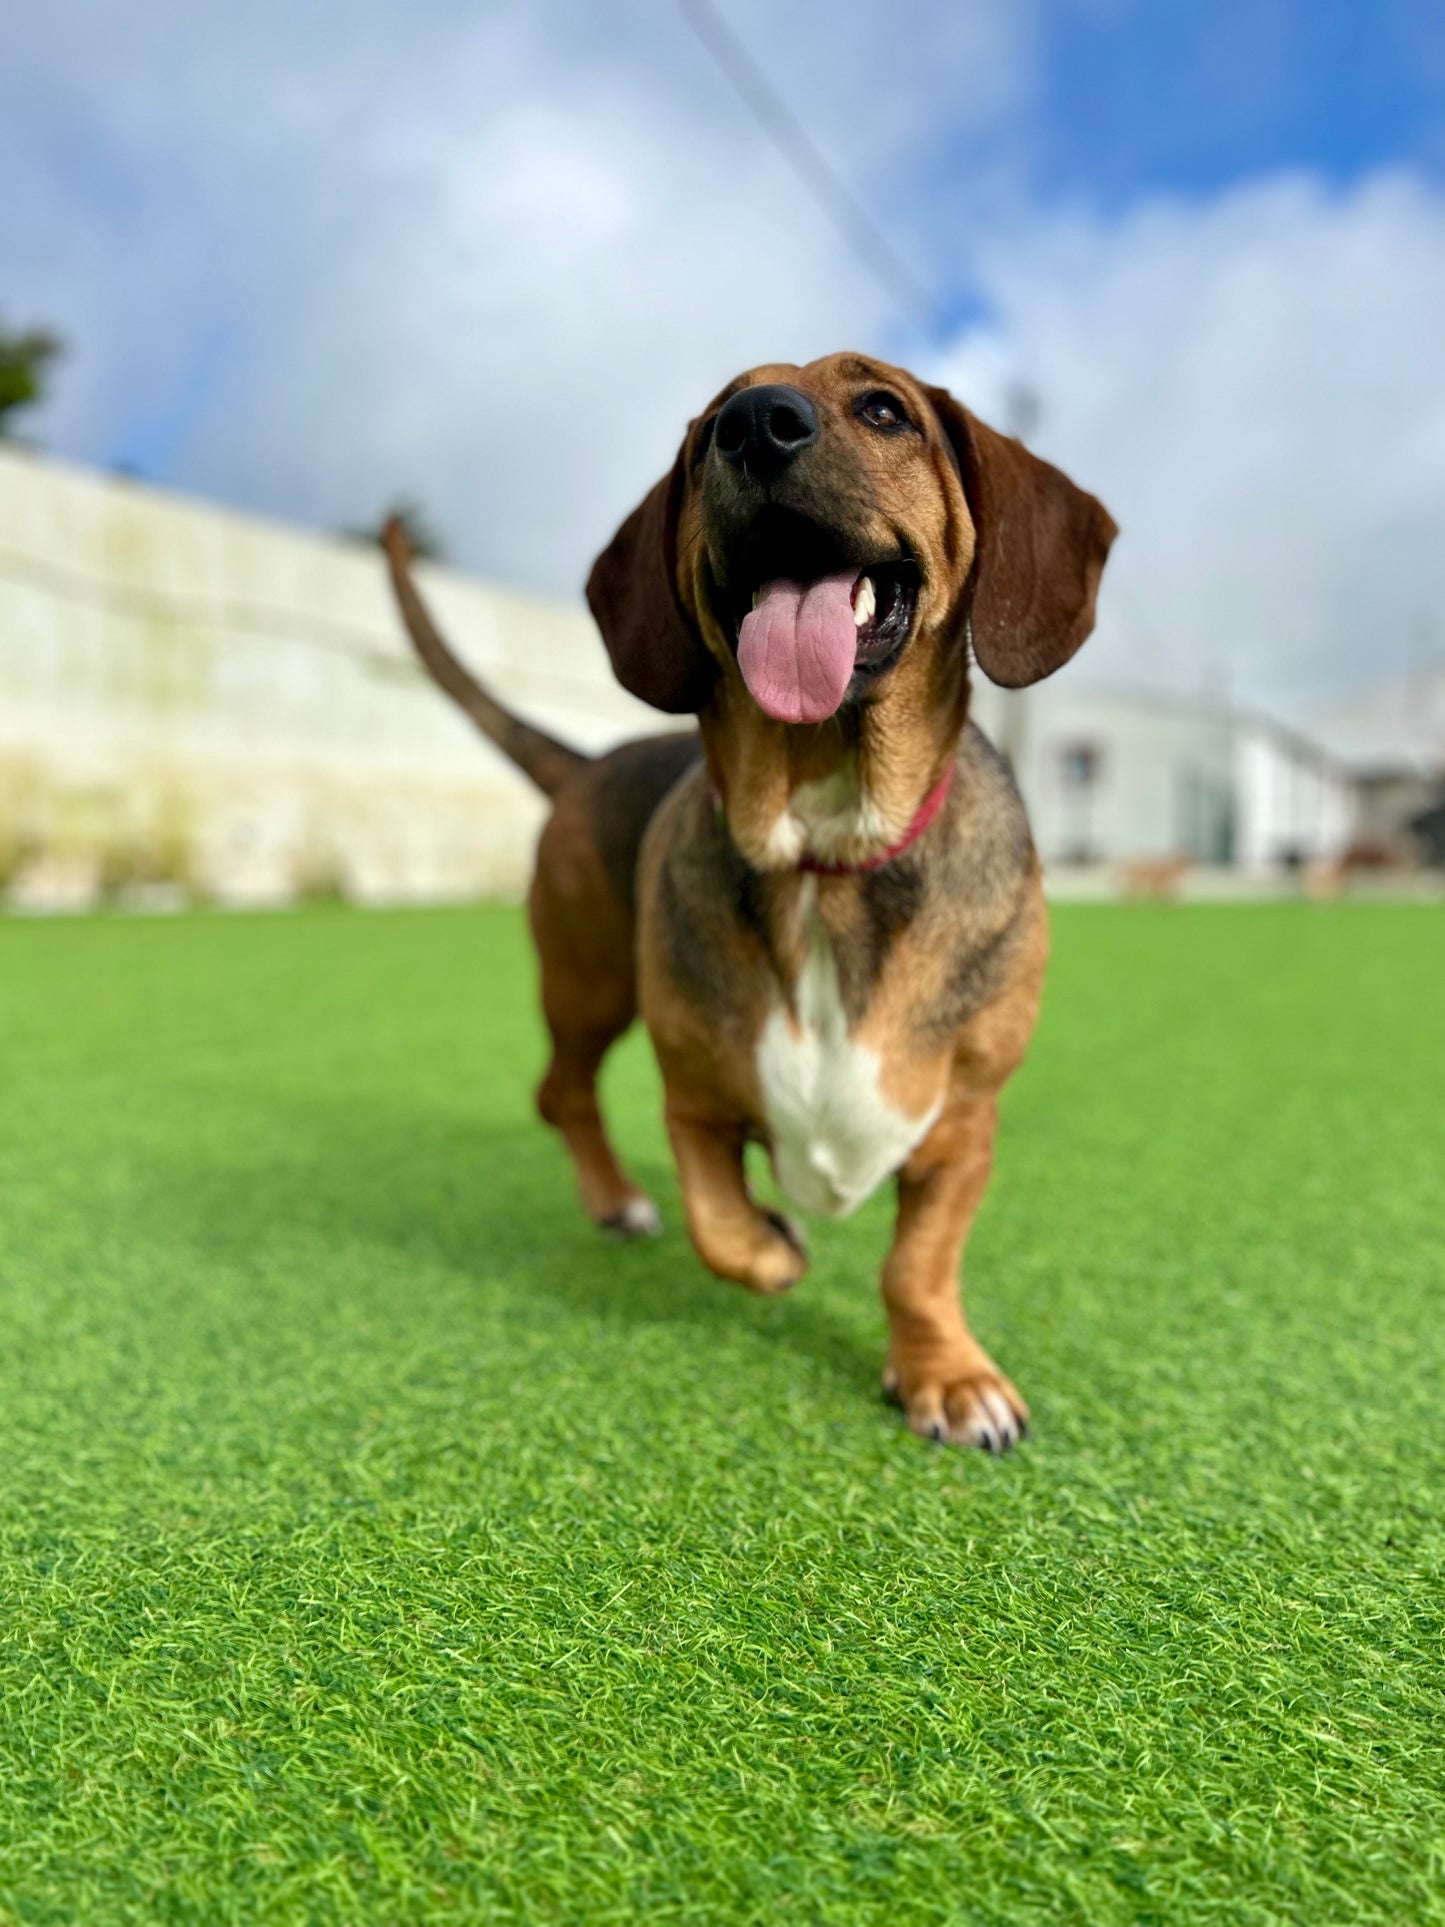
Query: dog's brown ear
{"x": 656, "y": 652}
{"x": 1041, "y": 547}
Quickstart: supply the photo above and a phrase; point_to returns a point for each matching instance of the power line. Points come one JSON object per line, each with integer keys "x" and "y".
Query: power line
{"x": 364, "y": 647}
{"x": 191, "y": 617}
{"x": 798, "y": 148}
{"x": 848, "y": 214}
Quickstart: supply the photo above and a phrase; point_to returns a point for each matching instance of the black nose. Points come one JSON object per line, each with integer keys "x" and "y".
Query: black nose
{"x": 762, "y": 429}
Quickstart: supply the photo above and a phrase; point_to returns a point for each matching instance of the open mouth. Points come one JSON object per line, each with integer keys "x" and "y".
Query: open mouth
{"x": 803, "y": 647}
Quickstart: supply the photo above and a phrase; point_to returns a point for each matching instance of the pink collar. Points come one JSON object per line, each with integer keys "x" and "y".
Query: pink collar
{"x": 927, "y": 810}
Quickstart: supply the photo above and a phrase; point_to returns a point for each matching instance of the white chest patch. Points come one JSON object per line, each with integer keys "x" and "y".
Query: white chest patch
{"x": 827, "y": 817}
{"x": 834, "y": 1135}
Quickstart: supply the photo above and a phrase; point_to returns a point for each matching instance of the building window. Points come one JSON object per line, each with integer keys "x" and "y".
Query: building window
{"x": 1205, "y": 817}
{"x": 1080, "y": 766}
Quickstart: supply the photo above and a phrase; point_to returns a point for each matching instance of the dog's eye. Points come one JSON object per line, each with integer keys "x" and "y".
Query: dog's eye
{"x": 885, "y": 411}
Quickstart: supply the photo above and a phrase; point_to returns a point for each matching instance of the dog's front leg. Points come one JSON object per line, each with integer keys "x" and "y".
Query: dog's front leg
{"x": 947, "y": 1384}
{"x": 731, "y": 1234}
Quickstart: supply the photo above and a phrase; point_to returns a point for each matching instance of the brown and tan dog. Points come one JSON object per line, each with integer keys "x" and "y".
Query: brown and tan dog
{"x": 826, "y": 904}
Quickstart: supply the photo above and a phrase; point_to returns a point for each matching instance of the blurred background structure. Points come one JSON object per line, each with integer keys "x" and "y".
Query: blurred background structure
{"x": 266, "y": 274}
{"x": 196, "y": 704}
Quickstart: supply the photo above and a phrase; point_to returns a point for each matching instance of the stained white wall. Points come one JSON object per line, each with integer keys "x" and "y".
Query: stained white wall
{"x": 189, "y": 695}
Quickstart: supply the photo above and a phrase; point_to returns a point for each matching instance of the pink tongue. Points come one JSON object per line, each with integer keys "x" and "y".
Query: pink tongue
{"x": 797, "y": 648}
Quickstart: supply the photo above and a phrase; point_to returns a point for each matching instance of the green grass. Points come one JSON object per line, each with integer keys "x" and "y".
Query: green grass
{"x": 377, "y": 1544}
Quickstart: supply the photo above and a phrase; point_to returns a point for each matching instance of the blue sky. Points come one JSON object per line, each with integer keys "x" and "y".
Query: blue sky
{"x": 309, "y": 257}
{"x": 1130, "y": 100}
{"x": 1194, "y": 99}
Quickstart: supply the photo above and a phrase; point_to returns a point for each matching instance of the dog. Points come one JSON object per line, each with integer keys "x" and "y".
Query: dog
{"x": 825, "y": 901}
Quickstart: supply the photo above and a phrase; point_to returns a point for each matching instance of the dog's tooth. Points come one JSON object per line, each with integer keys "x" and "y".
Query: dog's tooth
{"x": 865, "y": 601}
{"x": 757, "y": 597}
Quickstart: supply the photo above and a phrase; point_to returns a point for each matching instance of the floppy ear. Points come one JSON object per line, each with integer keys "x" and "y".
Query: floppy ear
{"x": 656, "y": 652}
{"x": 1041, "y": 545}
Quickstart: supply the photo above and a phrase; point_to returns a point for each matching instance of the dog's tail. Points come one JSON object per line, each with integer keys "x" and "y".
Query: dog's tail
{"x": 548, "y": 762}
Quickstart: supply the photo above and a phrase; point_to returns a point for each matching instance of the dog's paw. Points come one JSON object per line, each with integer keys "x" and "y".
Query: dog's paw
{"x": 778, "y": 1260}
{"x": 638, "y": 1218}
{"x": 774, "y": 1259}
{"x": 789, "y": 1230}
{"x": 977, "y": 1406}
{"x": 761, "y": 1250}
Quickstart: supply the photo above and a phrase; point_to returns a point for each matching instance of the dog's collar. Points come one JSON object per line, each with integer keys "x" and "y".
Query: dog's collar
{"x": 927, "y": 810}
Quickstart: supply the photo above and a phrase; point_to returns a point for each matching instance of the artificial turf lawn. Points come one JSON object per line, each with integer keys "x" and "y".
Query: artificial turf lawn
{"x": 377, "y": 1543}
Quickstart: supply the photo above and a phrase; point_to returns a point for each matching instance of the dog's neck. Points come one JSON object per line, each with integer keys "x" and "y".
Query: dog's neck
{"x": 841, "y": 795}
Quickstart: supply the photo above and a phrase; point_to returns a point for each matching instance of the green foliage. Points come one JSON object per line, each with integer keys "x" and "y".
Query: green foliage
{"x": 379, "y": 1544}
{"x": 26, "y": 358}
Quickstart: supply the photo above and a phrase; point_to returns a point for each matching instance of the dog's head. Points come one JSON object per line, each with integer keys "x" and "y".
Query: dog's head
{"x": 823, "y": 527}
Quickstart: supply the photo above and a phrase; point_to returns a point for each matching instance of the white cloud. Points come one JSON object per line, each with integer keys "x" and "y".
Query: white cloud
{"x": 318, "y": 257}
{"x": 1256, "y": 386}
{"x": 521, "y": 335}
{"x": 313, "y": 256}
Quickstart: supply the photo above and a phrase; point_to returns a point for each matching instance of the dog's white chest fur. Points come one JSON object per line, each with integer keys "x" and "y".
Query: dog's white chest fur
{"x": 835, "y": 1137}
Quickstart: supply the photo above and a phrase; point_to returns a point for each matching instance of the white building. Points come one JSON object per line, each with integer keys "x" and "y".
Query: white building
{"x": 1392, "y": 741}
{"x": 1118, "y": 775}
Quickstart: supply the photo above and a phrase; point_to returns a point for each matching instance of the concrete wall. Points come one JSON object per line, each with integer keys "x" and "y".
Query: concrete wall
{"x": 197, "y": 700}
